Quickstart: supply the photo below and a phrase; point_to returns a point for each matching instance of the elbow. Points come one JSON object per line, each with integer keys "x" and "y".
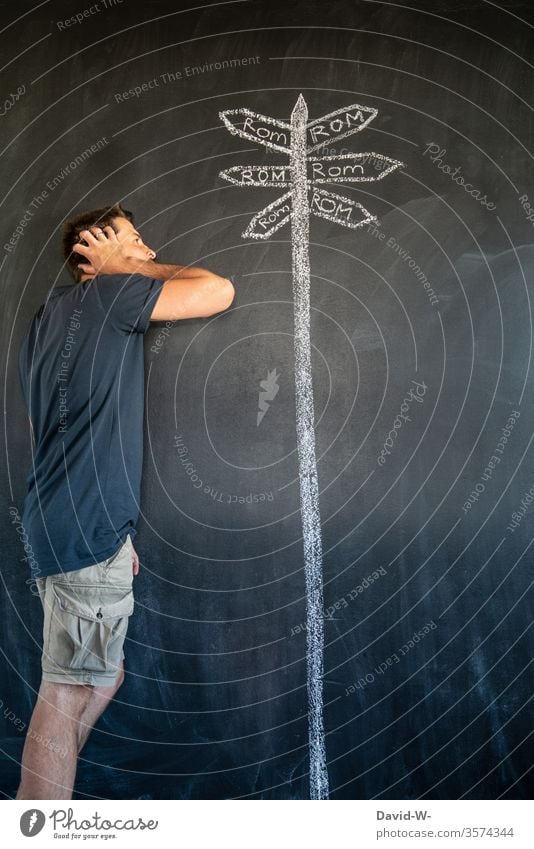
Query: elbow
{"x": 222, "y": 295}
{"x": 229, "y": 291}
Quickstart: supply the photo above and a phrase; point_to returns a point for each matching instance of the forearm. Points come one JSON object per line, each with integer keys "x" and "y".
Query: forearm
{"x": 162, "y": 271}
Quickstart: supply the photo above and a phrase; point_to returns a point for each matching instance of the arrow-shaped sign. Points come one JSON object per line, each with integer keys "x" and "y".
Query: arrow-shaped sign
{"x": 258, "y": 175}
{"x": 339, "y": 209}
{"x": 258, "y": 128}
{"x": 350, "y": 168}
{"x": 338, "y": 125}
{"x": 270, "y": 219}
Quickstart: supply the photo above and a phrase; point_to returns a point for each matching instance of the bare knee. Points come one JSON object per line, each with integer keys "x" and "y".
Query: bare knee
{"x": 102, "y": 695}
{"x": 69, "y": 700}
{"x": 109, "y": 692}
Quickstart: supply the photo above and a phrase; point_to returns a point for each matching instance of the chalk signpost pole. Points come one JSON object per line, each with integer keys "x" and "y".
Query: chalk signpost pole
{"x": 298, "y": 139}
{"x": 309, "y": 490}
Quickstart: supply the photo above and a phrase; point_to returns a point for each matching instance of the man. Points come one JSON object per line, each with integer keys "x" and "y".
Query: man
{"x": 81, "y": 368}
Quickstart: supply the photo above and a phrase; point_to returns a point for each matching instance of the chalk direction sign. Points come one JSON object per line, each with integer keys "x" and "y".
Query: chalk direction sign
{"x": 350, "y": 168}
{"x": 341, "y": 168}
{"x": 258, "y": 175}
{"x": 338, "y": 125}
{"x": 301, "y": 178}
{"x": 270, "y": 219}
{"x": 339, "y": 209}
{"x": 258, "y": 128}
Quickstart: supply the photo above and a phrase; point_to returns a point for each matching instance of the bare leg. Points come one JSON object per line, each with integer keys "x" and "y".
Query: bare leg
{"x": 51, "y": 747}
{"x": 61, "y": 722}
{"x": 100, "y": 699}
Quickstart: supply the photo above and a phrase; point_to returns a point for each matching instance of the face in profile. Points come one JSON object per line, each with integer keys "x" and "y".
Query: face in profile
{"x": 127, "y": 234}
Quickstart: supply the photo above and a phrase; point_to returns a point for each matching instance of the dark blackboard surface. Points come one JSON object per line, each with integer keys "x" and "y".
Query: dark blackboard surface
{"x": 438, "y": 297}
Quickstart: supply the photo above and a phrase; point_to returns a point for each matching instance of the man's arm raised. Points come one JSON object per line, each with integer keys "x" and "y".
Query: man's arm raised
{"x": 189, "y": 292}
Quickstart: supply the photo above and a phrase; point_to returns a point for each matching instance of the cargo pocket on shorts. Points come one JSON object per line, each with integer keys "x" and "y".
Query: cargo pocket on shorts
{"x": 89, "y": 625}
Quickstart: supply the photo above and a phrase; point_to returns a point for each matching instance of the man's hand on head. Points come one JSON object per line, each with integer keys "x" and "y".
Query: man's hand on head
{"x": 103, "y": 253}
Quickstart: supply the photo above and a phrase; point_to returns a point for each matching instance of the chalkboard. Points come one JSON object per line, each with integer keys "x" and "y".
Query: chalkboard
{"x": 333, "y": 599}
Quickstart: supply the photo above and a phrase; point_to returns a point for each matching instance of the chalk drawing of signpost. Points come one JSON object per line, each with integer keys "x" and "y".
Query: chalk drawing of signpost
{"x": 301, "y": 176}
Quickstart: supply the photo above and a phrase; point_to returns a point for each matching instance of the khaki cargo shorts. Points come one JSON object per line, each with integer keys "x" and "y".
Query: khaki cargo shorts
{"x": 85, "y": 620}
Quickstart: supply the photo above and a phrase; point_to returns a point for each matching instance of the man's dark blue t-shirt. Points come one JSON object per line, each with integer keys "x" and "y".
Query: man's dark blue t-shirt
{"x": 81, "y": 369}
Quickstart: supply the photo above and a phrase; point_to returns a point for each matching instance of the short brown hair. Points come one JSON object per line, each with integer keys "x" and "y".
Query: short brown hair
{"x": 102, "y": 216}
